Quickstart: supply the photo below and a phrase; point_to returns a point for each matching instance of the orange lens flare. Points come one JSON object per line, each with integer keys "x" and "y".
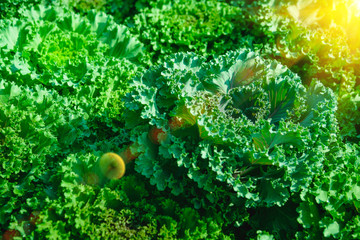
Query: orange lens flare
{"x": 176, "y": 123}
{"x": 131, "y": 152}
{"x": 10, "y": 234}
{"x": 157, "y": 135}
{"x": 91, "y": 178}
{"x": 112, "y": 166}
{"x": 34, "y": 217}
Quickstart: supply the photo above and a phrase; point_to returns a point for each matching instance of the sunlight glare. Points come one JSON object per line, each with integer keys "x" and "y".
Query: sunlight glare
{"x": 356, "y": 7}
{"x": 356, "y": 4}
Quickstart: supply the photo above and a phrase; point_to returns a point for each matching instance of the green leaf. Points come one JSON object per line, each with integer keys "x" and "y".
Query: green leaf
{"x": 308, "y": 214}
{"x": 9, "y": 37}
{"x": 282, "y": 95}
{"x": 331, "y": 229}
{"x": 268, "y": 138}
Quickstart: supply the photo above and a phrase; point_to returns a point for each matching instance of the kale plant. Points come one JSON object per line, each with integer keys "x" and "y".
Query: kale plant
{"x": 233, "y": 134}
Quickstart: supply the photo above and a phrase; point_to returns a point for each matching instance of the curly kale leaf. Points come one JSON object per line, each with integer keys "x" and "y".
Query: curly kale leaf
{"x": 128, "y": 208}
{"x": 36, "y": 127}
{"x": 239, "y": 127}
{"x": 331, "y": 205}
{"x": 205, "y": 27}
{"x": 88, "y": 59}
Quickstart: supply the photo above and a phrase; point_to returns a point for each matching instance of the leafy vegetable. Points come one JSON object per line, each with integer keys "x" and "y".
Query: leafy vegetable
{"x": 11, "y": 8}
{"x": 330, "y": 206}
{"x": 315, "y": 46}
{"x": 120, "y": 10}
{"x": 62, "y": 80}
{"x": 252, "y": 134}
{"x": 205, "y": 27}
{"x": 129, "y": 208}
{"x": 236, "y": 119}
{"x": 83, "y": 58}
{"x": 36, "y": 127}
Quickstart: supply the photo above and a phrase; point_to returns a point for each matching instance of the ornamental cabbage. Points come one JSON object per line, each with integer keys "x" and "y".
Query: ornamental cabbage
{"x": 62, "y": 77}
{"x": 317, "y": 47}
{"x": 247, "y": 133}
{"x": 330, "y": 208}
{"x": 36, "y": 127}
{"x": 88, "y": 59}
{"x": 206, "y": 27}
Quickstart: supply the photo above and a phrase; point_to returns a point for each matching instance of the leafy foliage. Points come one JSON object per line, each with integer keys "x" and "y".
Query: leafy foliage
{"x": 330, "y": 206}
{"x": 251, "y": 134}
{"x": 120, "y": 10}
{"x": 318, "y": 47}
{"x": 36, "y": 125}
{"x": 84, "y": 58}
{"x": 63, "y": 77}
{"x": 314, "y": 57}
{"x": 116, "y": 209}
{"x": 11, "y": 8}
{"x": 205, "y": 27}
